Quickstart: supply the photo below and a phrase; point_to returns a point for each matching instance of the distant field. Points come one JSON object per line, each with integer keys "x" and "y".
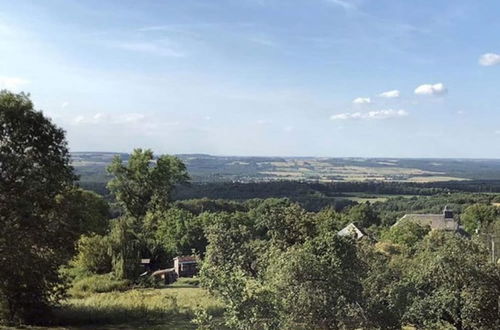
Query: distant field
{"x": 205, "y": 168}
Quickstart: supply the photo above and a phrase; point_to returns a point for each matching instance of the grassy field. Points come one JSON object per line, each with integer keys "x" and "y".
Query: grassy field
{"x": 171, "y": 307}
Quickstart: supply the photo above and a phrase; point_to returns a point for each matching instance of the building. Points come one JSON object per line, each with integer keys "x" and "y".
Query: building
{"x": 351, "y": 230}
{"x": 445, "y": 221}
{"x": 185, "y": 266}
{"x": 167, "y": 275}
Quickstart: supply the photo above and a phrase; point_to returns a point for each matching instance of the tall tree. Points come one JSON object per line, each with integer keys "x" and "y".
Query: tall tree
{"x": 34, "y": 236}
{"x": 144, "y": 183}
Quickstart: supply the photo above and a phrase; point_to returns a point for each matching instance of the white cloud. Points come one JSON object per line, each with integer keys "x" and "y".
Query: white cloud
{"x": 131, "y": 118}
{"x": 431, "y": 89}
{"x": 64, "y": 104}
{"x": 376, "y": 114}
{"x": 489, "y": 59}
{"x": 150, "y": 48}
{"x": 390, "y": 94}
{"x": 12, "y": 82}
{"x": 346, "y": 4}
{"x": 100, "y": 118}
{"x": 362, "y": 100}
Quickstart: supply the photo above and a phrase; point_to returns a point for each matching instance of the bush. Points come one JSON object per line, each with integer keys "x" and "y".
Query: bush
{"x": 98, "y": 284}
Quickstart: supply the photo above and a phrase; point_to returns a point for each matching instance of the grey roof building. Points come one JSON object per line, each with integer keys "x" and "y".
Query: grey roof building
{"x": 445, "y": 221}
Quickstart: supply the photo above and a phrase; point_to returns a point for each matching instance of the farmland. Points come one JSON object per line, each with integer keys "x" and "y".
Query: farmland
{"x": 206, "y": 168}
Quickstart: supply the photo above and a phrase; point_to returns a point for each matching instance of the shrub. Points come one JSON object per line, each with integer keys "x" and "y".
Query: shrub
{"x": 98, "y": 284}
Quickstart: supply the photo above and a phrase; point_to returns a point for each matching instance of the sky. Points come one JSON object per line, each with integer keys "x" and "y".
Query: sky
{"x": 333, "y": 78}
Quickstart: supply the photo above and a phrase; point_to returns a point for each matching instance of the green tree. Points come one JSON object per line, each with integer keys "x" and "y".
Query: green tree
{"x": 406, "y": 233}
{"x": 93, "y": 254}
{"x": 35, "y": 238}
{"x": 178, "y": 231}
{"x": 478, "y": 217}
{"x": 144, "y": 183}
{"x": 363, "y": 215}
{"x": 450, "y": 280}
{"x": 89, "y": 212}
{"x": 317, "y": 285}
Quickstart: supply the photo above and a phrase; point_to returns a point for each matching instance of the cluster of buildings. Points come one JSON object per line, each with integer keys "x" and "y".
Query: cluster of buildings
{"x": 444, "y": 221}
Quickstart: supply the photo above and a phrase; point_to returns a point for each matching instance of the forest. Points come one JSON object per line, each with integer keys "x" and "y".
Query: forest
{"x": 270, "y": 255}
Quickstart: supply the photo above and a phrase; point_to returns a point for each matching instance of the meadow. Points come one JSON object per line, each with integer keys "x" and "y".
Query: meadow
{"x": 169, "y": 307}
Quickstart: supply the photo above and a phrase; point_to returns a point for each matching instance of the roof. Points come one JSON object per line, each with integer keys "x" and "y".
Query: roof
{"x": 351, "y": 230}
{"x": 163, "y": 271}
{"x": 435, "y": 221}
{"x": 185, "y": 259}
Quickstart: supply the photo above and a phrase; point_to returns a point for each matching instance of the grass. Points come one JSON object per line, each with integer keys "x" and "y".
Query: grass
{"x": 97, "y": 284}
{"x": 171, "y": 307}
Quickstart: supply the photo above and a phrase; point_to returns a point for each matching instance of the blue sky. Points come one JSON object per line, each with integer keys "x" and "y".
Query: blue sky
{"x": 333, "y": 78}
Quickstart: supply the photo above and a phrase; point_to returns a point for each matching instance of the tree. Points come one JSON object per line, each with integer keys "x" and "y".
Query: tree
{"x": 93, "y": 254}
{"x": 317, "y": 285}
{"x": 478, "y": 217}
{"x": 144, "y": 183}
{"x": 89, "y": 212}
{"x": 179, "y": 231}
{"x": 363, "y": 215}
{"x": 35, "y": 238}
{"x": 450, "y": 280}
{"x": 406, "y": 233}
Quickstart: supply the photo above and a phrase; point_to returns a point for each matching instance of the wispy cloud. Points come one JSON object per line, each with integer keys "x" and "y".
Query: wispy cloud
{"x": 431, "y": 89}
{"x": 102, "y": 118}
{"x": 12, "y": 82}
{"x": 489, "y": 59}
{"x": 154, "y": 48}
{"x": 377, "y": 114}
{"x": 390, "y": 94}
{"x": 346, "y": 4}
{"x": 362, "y": 100}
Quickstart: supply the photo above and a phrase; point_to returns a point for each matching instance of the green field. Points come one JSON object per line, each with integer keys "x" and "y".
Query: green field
{"x": 171, "y": 307}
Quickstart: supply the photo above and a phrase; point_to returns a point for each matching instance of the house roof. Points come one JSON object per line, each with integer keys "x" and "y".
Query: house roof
{"x": 163, "y": 271}
{"x": 185, "y": 259}
{"x": 351, "y": 230}
{"x": 435, "y": 221}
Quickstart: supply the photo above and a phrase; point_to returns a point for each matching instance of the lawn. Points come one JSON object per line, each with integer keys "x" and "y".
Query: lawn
{"x": 171, "y": 307}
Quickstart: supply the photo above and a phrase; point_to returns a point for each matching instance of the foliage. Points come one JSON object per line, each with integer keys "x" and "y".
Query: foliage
{"x": 145, "y": 183}
{"x": 125, "y": 248}
{"x": 178, "y": 231}
{"x": 478, "y": 217}
{"x": 405, "y": 233}
{"x": 93, "y": 254}
{"x": 35, "y": 236}
{"x": 97, "y": 284}
{"x": 89, "y": 212}
{"x": 450, "y": 279}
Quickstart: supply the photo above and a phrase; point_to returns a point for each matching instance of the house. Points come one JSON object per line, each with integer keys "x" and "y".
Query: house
{"x": 352, "y": 230}
{"x": 167, "y": 275}
{"x": 185, "y": 266}
{"x": 445, "y": 221}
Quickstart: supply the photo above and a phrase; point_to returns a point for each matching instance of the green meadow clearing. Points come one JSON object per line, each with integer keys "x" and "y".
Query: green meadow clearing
{"x": 170, "y": 307}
